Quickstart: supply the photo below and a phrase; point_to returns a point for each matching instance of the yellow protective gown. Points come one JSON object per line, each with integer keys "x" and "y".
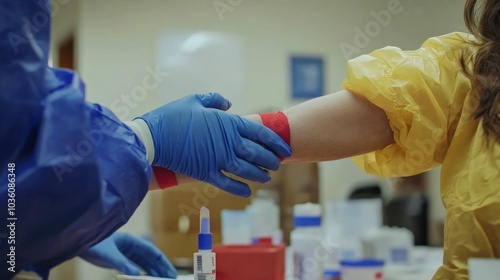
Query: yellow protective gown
{"x": 429, "y": 104}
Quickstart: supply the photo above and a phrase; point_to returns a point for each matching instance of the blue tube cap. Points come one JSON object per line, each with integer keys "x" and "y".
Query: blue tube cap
{"x": 205, "y": 241}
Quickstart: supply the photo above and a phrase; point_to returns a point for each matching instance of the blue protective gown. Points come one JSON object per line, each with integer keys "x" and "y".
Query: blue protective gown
{"x": 79, "y": 172}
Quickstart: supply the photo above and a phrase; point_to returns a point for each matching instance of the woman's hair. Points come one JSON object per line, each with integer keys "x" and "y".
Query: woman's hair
{"x": 482, "y": 18}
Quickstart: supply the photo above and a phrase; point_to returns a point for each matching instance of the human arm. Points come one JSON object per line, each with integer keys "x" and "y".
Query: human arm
{"x": 315, "y": 126}
{"x": 79, "y": 172}
{"x": 335, "y": 126}
{"x": 179, "y": 181}
{"x": 195, "y": 137}
{"x": 421, "y": 93}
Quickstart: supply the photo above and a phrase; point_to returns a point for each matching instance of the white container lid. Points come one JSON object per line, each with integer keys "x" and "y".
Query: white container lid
{"x": 307, "y": 210}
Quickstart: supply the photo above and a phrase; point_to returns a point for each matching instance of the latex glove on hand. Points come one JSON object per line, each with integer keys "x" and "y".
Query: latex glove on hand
{"x": 193, "y": 136}
{"x": 125, "y": 252}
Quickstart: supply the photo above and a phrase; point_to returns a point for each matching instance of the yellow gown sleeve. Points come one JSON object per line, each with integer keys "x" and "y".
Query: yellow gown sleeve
{"x": 415, "y": 89}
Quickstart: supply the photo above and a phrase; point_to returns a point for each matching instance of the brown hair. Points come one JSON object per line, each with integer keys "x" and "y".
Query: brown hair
{"x": 482, "y": 18}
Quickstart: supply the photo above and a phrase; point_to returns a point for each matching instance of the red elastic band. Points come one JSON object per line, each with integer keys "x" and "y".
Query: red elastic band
{"x": 164, "y": 177}
{"x": 277, "y": 122}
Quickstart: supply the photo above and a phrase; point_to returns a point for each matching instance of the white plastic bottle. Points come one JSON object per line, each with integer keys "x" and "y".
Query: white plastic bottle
{"x": 265, "y": 217}
{"x": 306, "y": 242}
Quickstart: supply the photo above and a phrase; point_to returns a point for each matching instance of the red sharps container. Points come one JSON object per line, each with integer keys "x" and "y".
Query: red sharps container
{"x": 250, "y": 262}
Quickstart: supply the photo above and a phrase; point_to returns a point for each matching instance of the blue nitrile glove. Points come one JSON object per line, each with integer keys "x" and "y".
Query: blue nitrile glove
{"x": 127, "y": 253}
{"x": 193, "y": 136}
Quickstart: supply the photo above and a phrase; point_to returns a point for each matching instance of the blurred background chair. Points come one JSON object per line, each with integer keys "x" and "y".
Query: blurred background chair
{"x": 409, "y": 211}
{"x": 407, "y": 207}
{"x": 366, "y": 192}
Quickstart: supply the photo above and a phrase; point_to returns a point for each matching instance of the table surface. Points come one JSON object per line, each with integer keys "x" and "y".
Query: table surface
{"x": 426, "y": 261}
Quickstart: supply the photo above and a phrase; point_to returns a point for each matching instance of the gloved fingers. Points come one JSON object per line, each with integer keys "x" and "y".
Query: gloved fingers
{"x": 264, "y": 136}
{"x": 215, "y": 101}
{"x": 258, "y": 155}
{"x": 146, "y": 255}
{"x": 163, "y": 268}
{"x": 153, "y": 273}
{"x": 106, "y": 254}
{"x": 230, "y": 185}
{"x": 127, "y": 267}
{"x": 112, "y": 257}
{"x": 248, "y": 171}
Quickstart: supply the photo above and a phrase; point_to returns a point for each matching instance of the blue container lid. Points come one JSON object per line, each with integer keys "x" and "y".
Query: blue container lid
{"x": 331, "y": 273}
{"x": 306, "y": 221}
{"x": 362, "y": 263}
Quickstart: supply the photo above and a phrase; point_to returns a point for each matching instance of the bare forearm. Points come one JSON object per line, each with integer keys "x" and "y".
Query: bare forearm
{"x": 336, "y": 126}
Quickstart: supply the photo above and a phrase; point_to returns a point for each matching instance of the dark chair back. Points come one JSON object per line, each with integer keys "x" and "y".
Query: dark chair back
{"x": 409, "y": 211}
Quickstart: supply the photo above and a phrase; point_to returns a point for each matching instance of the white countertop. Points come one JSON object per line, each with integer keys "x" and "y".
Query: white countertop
{"x": 180, "y": 277}
{"x": 427, "y": 261}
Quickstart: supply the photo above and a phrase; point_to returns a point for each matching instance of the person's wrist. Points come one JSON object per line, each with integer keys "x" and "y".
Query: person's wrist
{"x": 256, "y": 118}
{"x": 277, "y": 122}
{"x": 141, "y": 129}
{"x": 165, "y": 178}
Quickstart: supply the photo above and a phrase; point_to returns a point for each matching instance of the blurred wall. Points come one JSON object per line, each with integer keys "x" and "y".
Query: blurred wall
{"x": 65, "y": 16}
{"x": 117, "y": 44}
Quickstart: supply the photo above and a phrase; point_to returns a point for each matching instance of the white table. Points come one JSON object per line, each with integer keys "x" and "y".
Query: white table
{"x": 427, "y": 261}
{"x": 180, "y": 277}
